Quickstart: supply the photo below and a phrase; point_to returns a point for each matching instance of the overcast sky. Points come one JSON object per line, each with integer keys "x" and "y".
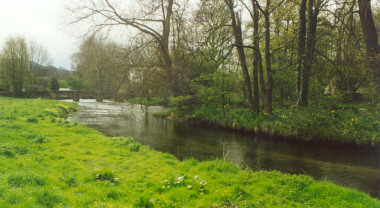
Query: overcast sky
{"x": 42, "y": 21}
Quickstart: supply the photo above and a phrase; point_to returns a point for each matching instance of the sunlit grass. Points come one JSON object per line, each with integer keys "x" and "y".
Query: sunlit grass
{"x": 50, "y": 162}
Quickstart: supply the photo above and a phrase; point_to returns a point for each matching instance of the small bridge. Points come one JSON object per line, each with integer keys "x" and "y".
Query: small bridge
{"x": 74, "y": 95}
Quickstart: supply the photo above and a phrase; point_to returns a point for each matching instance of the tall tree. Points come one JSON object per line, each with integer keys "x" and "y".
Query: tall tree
{"x": 301, "y": 42}
{"x": 15, "y": 61}
{"x": 100, "y": 64}
{"x": 371, "y": 40}
{"x": 155, "y": 21}
{"x": 308, "y": 59}
{"x": 268, "y": 89}
{"x": 257, "y": 59}
{"x": 236, "y": 26}
{"x": 268, "y": 64}
{"x": 39, "y": 60}
{"x": 54, "y": 85}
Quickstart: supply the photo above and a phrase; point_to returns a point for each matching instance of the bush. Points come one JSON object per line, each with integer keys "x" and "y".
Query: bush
{"x": 185, "y": 104}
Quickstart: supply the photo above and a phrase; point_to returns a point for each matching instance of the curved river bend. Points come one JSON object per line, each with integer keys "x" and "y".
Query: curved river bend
{"x": 346, "y": 167}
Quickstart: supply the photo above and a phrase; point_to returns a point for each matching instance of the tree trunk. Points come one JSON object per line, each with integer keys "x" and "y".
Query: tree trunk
{"x": 268, "y": 94}
{"x": 371, "y": 40}
{"x": 309, "y": 54}
{"x": 236, "y": 25}
{"x": 164, "y": 46}
{"x": 256, "y": 45}
{"x": 301, "y": 43}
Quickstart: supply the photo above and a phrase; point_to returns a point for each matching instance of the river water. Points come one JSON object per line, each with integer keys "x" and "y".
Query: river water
{"x": 347, "y": 167}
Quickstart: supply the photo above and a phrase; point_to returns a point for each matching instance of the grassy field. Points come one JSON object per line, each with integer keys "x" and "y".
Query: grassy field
{"x": 46, "y": 161}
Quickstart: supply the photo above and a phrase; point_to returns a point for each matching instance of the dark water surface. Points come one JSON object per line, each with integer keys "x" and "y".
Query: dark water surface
{"x": 346, "y": 167}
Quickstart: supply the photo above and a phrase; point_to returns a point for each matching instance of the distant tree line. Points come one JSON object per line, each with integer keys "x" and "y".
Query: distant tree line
{"x": 28, "y": 67}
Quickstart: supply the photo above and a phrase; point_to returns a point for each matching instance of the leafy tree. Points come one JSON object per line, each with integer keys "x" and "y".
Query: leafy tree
{"x": 15, "y": 62}
{"x": 54, "y": 85}
{"x": 371, "y": 40}
{"x": 75, "y": 83}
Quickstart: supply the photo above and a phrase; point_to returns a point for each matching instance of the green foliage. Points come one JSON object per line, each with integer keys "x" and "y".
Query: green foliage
{"x": 105, "y": 175}
{"x": 148, "y": 101}
{"x": 14, "y": 64}
{"x": 75, "y": 83}
{"x": 198, "y": 185}
{"x": 185, "y": 103}
{"x": 77, "y": 167}
{"x": 134, "y": 147}
{"x": 326, "y": 121}
{"x": 70, "y": 179}
{"x": 62, "y": 84}
{"x": 128, "y": 142}
{"x": 54, "y": 85}
{"x": 40, "y": 139}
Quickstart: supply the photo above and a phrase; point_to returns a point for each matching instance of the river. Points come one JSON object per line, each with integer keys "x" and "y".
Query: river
{"x": 358, "y": 169}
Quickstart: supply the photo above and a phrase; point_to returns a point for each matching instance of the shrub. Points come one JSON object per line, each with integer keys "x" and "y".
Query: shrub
{"x": 134, "y": 147}
{"x": 186, "y": 103}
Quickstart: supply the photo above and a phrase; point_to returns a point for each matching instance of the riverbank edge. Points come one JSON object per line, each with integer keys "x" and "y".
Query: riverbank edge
{"x": 212, "y": 167}
{"x": 317, "y": 141}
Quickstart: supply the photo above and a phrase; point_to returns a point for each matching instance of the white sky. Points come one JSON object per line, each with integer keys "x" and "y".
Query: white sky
{"x": 42, "y": 21}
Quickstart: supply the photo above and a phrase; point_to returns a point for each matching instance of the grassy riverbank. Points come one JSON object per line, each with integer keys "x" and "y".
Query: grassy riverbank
{"x": 46, "y": 161}
{"x": 338, "y": 123}
{"x": 146, "y": 101}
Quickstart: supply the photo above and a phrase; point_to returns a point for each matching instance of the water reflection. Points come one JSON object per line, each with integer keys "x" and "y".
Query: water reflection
{"x": 347, "y": 167}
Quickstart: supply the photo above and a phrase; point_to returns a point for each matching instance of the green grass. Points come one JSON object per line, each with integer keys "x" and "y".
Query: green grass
{"x": 74, "y": 166}
{"x": 345, "y": 124}
{"x": 145, "y": 101}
